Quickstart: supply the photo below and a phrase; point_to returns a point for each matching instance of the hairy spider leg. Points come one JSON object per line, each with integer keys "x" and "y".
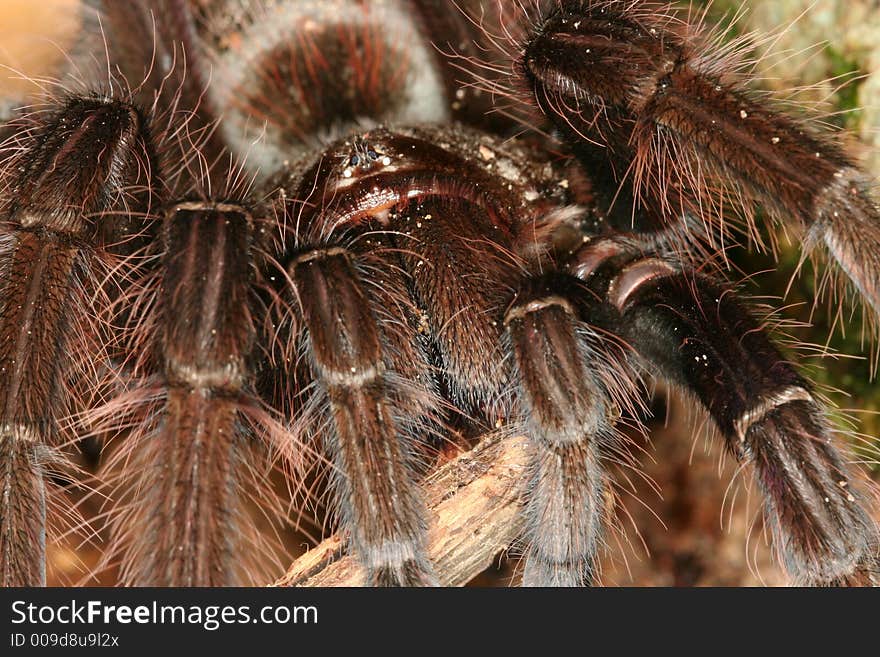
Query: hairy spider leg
{"x": 569, "y": 418}
{"x": 635, "y": 86}
{"x": 69, "y": 170}
{"x": 195, "y": 455}
{"x": 697, "y": 335}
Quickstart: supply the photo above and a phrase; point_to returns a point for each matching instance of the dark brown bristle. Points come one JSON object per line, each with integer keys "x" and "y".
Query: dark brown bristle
{"x": 319, "y": 81}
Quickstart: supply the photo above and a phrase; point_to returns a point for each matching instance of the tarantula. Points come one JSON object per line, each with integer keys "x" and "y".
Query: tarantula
{"x": 289, "y": 231}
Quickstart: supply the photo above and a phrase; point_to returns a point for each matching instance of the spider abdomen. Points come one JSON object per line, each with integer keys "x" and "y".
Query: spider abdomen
{"x": 305, "y": 72}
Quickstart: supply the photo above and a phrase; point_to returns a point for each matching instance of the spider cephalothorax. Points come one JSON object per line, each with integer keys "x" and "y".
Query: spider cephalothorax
{"x": 297, "y": 231}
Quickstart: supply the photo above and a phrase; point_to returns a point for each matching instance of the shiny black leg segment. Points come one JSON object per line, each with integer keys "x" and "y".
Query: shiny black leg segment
{"x": 699, "y": 336}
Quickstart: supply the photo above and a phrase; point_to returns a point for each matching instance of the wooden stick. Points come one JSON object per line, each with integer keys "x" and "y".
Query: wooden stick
{"x": 475, "y": 504}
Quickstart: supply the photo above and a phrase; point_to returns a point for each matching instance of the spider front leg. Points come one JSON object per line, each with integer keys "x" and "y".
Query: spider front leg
{"x": 66, "y": 173}
{"x": 635, "y": 83}
{"x": 349, "y": 308}
{"x": 373, "y": 483}
{"x": 559, "y": 364}
{"x": 697, "y": 335}
{"x": 197, "y": 433}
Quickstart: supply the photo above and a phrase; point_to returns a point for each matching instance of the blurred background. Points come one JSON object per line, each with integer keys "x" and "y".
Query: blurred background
{"x": 699, "y": 529}
{"x": 33, "y": 40}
